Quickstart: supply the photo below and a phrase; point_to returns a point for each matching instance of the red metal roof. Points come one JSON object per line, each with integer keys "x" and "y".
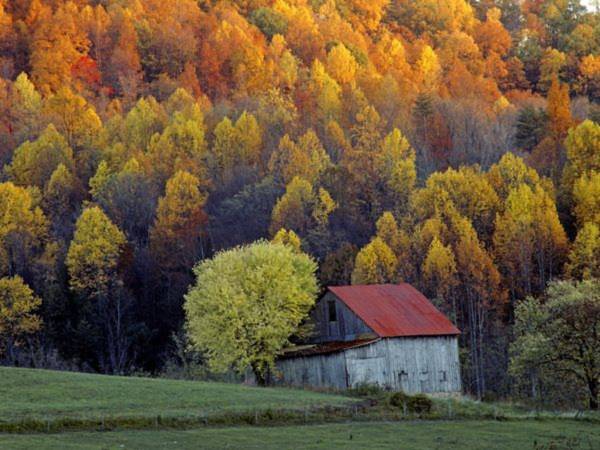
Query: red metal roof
{"x": 392, "y": 310}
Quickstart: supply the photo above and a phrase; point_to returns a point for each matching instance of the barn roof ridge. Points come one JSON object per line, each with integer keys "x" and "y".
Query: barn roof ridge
{"x": 395, "y": 310}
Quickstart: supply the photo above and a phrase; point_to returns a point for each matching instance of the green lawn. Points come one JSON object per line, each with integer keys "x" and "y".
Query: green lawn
{"x": 157, "y": 413}
{"x": 401, "y": 435}
{"x": 49, "y": 395}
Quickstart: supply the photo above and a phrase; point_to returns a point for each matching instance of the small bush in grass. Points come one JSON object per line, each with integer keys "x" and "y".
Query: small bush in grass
{"x": 399, "y": 399}
{"x": 420, "y": 404}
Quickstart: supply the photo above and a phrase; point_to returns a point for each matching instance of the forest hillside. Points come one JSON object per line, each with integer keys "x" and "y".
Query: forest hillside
{"x": 454, "y": 145}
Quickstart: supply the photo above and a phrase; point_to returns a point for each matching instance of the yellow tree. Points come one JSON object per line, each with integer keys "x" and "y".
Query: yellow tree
{"x": 583, "y": 152}
{"x": 399, "y": 242}
{"x": 375, "y": 264}
{"x": 529, "y": 240}
{"x": 94, "y": 254}
{"x": 78, "y": 122}
{"x": 236, "y": 147}
{"x": 341, "y": 64}
{"x": 94, "y": 262}
{"x": 481, "y": 296}
{"x": 18, "y": 318}
{"x": 34, "y": 162}
{"x": 302, "y": 208}
{"x": 306, "y": 158}
{"x": 26, "y": 108}
{"x": 509, "y": 173}
{"x": 23, "y": 228}
{"x": 247, "y": 302}
{"x": 428, "y": 70}
{"x": 396, "y": 165}
{"x": 325, "y": 92}
{"x": 439, "y": 274}
{"x": 288, "y": 237}
{"x": 176, "y": 235}
{"x": 467, "y": 190}
{"x": 584, "y": 257}
{"x": 181, "y": 146}
{"x": 586, "y": 193}
{"x": 62, "y": 197}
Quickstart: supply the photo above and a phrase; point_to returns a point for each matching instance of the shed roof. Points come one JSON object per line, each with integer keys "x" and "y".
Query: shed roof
{"x": 326, "y": 347}
{"x": 395, "y": 310}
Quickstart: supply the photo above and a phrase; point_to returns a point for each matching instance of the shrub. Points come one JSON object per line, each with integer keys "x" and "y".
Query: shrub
{"x": 420, "y": 404}
{"x": 399, "y": 399}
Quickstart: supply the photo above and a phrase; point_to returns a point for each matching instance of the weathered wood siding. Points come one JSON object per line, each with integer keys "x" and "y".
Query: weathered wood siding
{"x": 412, "y": 365}
{"x": 347, "y": 327}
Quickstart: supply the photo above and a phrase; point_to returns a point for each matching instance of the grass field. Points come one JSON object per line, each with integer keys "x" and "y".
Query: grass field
{"x": 400, "y": 435}
{"x": 47, "y": 395}
{"x": 45, "y": 409}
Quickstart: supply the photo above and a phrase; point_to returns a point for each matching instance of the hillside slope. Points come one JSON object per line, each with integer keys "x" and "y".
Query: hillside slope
{"x": 29, "y": 394}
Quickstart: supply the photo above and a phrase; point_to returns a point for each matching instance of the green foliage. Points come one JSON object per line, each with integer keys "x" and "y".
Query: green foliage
{"x": 34, "y": 162}
{"x": 247, "y": 302}
{"x": 269, "y": 21}
{"x": 557, "y": 341}
{"x": 420, "y": 404}
{"x": 531, "y": 127}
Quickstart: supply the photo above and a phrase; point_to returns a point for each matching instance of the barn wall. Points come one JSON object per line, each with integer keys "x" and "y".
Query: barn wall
{"x": 412, "y": 365}
{"x": 317, "y": 370}
{"x": 348, "y": 326}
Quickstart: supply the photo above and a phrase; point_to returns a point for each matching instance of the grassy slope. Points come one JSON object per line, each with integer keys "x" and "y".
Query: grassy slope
{"x": 43, "y": 394}
{"x": 405, "y": 435}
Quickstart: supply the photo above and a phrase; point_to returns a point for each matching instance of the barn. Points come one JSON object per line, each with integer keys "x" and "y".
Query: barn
{"x": 389, "y": 335}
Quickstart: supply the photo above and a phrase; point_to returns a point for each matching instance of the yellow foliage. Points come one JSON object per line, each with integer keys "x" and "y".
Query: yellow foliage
{"x": 94, "y": 253}
{"x": 375, "y": 264}
{"x": 18, "y": 304}
{"x": 584, "y": 257}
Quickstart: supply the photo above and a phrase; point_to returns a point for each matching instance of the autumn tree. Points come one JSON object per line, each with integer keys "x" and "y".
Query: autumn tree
{"x": 93, "y": 265}
{"x": 301, "y": 208}
{"x": 57, "y": 43}
{"x": 289, "y": 238}
{"x": 63, "y": 195}
{"x": 584, "y": 257}
{"x": 529, "y": 240}
{"x": 34, "y": 162}
{"x": 247, "y": 302}
{"x": 306, "y": 159}
{"x": 23, "y": 229}
{"x": 375, "y": 264}
{"x": 176, "y": 235}
{"x": 18, "y": 317}
{"x": 440, "y": 274}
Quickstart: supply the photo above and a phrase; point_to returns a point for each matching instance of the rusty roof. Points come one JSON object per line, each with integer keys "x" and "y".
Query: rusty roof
{"x": 394, "y": 310}
{"x": 324, "y": 348}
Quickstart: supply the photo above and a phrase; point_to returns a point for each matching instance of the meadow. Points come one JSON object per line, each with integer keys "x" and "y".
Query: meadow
{"x": 424, "y": 435}
{"x": 46, "y": 410}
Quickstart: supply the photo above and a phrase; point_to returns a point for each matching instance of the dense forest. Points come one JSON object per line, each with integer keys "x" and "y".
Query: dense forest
{"x": 451, "y": 144}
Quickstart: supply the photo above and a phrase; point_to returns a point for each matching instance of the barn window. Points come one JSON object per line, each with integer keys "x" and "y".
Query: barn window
{"x": 443, "y": 376}
{"x": 332, "y": 311}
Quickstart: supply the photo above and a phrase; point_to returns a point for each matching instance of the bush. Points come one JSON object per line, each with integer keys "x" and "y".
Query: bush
{"x": 420, "y": 404}
{"x": 399, "y": 399}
